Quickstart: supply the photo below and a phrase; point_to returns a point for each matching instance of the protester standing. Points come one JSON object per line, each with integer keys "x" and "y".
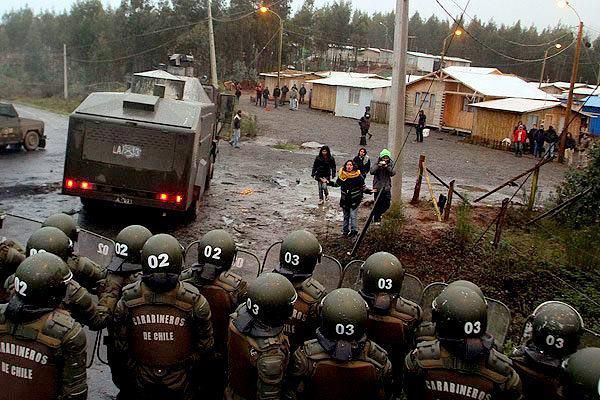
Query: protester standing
{"x": 294, "y": 98}
{"x": 238, "y": 91}
{"x": 382, "y": 184}
{"x": 570, "y": 149}
{"x": 363, "y": 162}
{"x": 551, "y": 137}
{"x": 302, "y": 93}
{"x": 259, "y": 91}
{"x": 585, "y": 143}
{"x": 352, "y": 185}
{"x": 266, "y": 93}
{"x": 364, "y": 123}
{"x": 421, "y": 125}
{"x": 276, "y": 94}
{"x": 531, "y": 138}
{"x": 237, "y": 129}
{"x": 284, "y": 91}
{"x": 538, "y": 142}
{"x": 323, "y": 171}
{"x": 519, "y": 139}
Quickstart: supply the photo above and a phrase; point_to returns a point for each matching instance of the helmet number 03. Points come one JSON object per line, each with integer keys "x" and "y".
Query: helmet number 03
{"x": 383, "y": 283}
{"x": 252, "y": 307}
{"x": 121, "y": 249}
{"x": 212, "y": 252}
{"x": 290, "y": 258}
{"x": 160, "y": 261}
{"x": 20, "y": 287}
{"x": 557, "y": 342}
{"x": 473, "y": 327}
{"x": 342, "y": 329}
{"x": 33, "y": 252}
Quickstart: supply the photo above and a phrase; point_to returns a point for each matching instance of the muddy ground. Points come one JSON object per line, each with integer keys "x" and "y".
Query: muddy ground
{"x": 259, "y": 193}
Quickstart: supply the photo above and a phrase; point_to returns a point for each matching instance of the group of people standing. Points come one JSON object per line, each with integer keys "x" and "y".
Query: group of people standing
{"x": 351, "y": 179}
{"x": 296, "y": 96}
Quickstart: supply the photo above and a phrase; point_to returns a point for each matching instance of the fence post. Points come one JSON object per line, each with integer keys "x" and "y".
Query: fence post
{"x": 500, "y": 222}
{"x": 534, "y": 188}
{"x": 449, "y": 201}
{"x": 417, "y": 192}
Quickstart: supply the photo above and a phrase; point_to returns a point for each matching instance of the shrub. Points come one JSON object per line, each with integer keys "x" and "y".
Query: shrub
{"x": 464, "y": 229}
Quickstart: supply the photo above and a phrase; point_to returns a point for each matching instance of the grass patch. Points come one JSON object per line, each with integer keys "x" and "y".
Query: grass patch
{"x": 286, "y": 146}
{"x": 54, "y": 104}
{"x": 248, "y": 126}
{"x": 464, "y": 230}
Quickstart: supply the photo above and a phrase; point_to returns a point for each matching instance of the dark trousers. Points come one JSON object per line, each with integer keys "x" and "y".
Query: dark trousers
{"x": 301, "y": 99}
{"x": 419, "y": 133}
{"x": 276, "y": 101}
{"x": 382, "y": 204}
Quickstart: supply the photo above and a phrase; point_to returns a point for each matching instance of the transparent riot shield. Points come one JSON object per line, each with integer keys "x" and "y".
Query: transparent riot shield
{"x": 352, "y": 277}
{"x": 271, "y": 258}
{"x": 329, "y": 273}
{"x": 18, "y": 228}
{"x": 96, "y": 247}
{"x": 590, "y": 339}
{"x": 499, "y": 320}
{"x": 430, "y": 292}
{"x": 412, "y": 289}
{"x": 246, "y": 263}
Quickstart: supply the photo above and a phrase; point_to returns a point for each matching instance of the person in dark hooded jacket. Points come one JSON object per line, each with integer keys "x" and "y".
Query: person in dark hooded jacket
{"x": 352, "y": 185}
{"x": 323, "y": 171}
{"x": 363, "y": 162}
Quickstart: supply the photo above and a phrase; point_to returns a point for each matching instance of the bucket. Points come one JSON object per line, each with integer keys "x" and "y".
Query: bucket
{"x": 426, "y": 132}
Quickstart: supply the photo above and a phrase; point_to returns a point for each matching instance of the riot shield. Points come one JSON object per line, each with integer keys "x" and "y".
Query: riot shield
{"x": 329, "y": 273}
{"x": 271, "y": 259}
{"x": 499, "y": 319}
{"x": 96, "y": 247}
{"x": 18, "y": 228}
{"x": 589, "y": 339}
{"x": 351, "y": 277}
{"x": 430, "y": 292}
{"x": 246, "y": 264}
{"x": 412, "y": 289}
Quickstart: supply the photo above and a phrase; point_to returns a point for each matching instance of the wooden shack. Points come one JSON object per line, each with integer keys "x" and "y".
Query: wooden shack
{"x": 323, "y": 97}
{"x": 445, "y": 96}
{"x": 288, "y": 77}
{"x": 495, "y": 120}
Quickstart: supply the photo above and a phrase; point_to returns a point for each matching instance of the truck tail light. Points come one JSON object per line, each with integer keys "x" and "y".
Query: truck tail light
{"x": 70, "y": 183}
{"x": 85, "y": 185}
{"x": 178, "y": 198}
{"x": 163, "y": 197}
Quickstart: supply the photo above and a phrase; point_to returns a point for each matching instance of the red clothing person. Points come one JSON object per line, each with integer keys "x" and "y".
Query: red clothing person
{"x": 520, "y": 135}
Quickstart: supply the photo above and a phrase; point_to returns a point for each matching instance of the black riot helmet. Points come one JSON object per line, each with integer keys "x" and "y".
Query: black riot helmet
{"x": 41, "y": 280}
{"x": 128, "y": 248}
{"x": 556, "y": 329}
{"x": 271, "y": 299}
{"x": 216, "y": 252}
{"x": 300, "y": 252}
{"x": 65, "y": 223}
{"x": 582, "y": 370}
{"x": 469, "y": 285}
{"x": 459, "y": 313}
{"x": 51, "y": 240}
{"x": 344, "y": 315}
{"x": 382, "y": 277}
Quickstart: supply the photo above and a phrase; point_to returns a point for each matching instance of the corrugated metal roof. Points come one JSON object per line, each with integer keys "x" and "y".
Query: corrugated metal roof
{"x": 447, "y": 58}
{"x": 342, "y": 74}
{"x": 592, "y": 101}
{"x": 472, "y": 70}
{"x": 585, "y": 91}
{"x": 159, "y": 74}
{"x": 517, "y": 105}
{"x": 490, "y": 84}
{"x": 364, "y": 83}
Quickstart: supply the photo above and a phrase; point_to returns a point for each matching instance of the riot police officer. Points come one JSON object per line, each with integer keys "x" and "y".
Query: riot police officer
{"x": 461, "y": 363}
{"x": 12, "y": 253}
{"x": 42, "y": 349}
{"x": 85, "y": 271}
{"x": 393, "y": 320}
{"x": 582, "y": 370}
{"x": 556, "y": 332}
{"x": 125, "y": 268}
{"x": 300, "y": 252}
{"x": 163, "y": 325}
{"x": 341, "y": 363}
{"x": 258, "y": 350}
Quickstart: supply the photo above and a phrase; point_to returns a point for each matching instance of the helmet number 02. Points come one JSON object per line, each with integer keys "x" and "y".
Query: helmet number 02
{"x": 254, "y": 309}
{"x": 213, "y": 252}
{"x": 290, "y": 258}
{"x": 557, "y": 342}
{"x": 20, "y": 287}
{"x": 121, "y": 249}
{"x": 342, "y": 329}
{"x": 160, "y": 261}
{"x": 383, "y": 283}
{"x": 473, "y": 327}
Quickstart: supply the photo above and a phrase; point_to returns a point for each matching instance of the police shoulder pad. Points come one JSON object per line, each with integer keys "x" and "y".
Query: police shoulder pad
{"x": 407, "y": 310}
{"x": 429, "y": 351}
{"x": 230, "y": 281}
{"x": 187, "y": 295}
{"x": 3, "y": 327}
{"x": 267, "y": 343}
{"x": 312, "y": 291}
{"x": 499, "y": 363}
{"x": 58, "y": 324}
{"x": 133, "y": 294}
{"x": 186, "y": 275}
{"x": 376, "y": 354}
{"x": 313, "y": 350}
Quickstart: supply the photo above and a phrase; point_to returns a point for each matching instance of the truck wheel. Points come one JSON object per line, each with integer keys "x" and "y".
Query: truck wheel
{"x": 31, "y": 141}
{"x": 191, "y": 213}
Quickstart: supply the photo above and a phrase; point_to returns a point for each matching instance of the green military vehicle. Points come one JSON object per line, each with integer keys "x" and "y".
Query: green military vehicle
{"x": 152, "y": 146}
{"x": 17, "y": 131}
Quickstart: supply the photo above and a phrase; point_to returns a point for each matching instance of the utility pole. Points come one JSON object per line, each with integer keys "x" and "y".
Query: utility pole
{"x": 65, "y": 78}
{"x": 211, "y": 39}
{"x": 563, "y": 135}
{"x": 396, "y": 127}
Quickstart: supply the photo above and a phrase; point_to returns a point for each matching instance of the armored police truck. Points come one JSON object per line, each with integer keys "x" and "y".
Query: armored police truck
{"x": 153, "y": 146}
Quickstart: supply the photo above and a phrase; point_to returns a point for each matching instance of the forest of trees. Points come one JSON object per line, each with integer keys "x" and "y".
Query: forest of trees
{"x": 105, "y": 44}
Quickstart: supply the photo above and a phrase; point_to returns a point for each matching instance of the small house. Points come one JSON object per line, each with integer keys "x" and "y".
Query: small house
{"x": 591, "y": 106}
{"x": 495, "y": 120}
{"x": 347, "y": 96}
{"x": 288, "y": 77}
{"x": 445, "y": 96}
{"x": 555, "y": 88}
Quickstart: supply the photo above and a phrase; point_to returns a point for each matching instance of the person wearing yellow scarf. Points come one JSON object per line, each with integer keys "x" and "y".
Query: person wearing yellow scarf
{"x": 352, "y": 185}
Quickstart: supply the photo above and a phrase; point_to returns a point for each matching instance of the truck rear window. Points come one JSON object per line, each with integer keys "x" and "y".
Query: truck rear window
{"x": 133, "y": 147}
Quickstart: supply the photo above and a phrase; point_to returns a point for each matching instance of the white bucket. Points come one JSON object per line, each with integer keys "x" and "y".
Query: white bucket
{"x": 426, "y": 132}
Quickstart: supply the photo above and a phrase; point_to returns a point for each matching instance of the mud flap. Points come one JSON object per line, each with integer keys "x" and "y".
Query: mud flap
{"x": 18, "y": 228}
{"x": 246, "y": 263}
{"x": 329, "y": 273}
{"x": 412, "y": 287}
{"x": 96, "y": 247}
